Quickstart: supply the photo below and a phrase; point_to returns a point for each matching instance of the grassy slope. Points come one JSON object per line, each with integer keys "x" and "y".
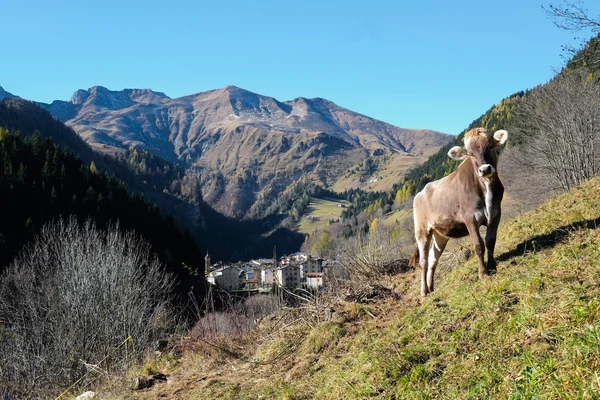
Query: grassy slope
{"x": 397, "y": 216}
{"x": 391, "y": 172}
{"x": 531, "y": 331}
{"x": 324, "y": 211}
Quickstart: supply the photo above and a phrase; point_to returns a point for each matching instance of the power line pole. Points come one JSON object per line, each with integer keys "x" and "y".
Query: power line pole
{"x": 208, "y": 300}
{"x": 278, "y": 284}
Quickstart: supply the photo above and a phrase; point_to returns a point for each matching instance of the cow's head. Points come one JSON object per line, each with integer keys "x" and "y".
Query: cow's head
{"x": 480, "y": 145}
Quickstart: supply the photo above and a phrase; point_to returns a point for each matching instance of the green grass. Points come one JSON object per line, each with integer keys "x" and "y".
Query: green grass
{"x": 321, "y": 211}
{"x": 398, "y": 217}
{"x": 532, "y": 331}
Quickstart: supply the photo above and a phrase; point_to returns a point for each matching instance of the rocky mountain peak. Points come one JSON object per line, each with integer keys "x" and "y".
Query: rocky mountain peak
{"x": 245, "y": 101}
{"x": 231, "y": 88}
{"x": 80, "y": 96}
{"x": 145, "y": 95}
{"x": 99, "y": 96}
{"x": 102, "y": 97}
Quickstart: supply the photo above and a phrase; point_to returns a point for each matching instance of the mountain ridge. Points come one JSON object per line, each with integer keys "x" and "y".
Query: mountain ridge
{"x": 243, "y": 146}
{"x": 241, "y": 103}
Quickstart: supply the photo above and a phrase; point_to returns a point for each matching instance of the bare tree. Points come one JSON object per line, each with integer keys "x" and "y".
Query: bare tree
{"x": 70, "y": 297}
{"x": 573, "y": 16}
{"x": 560, "y": 125}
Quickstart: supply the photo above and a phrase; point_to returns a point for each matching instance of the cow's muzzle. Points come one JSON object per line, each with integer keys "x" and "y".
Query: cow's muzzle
{"x": 486, "y": 170}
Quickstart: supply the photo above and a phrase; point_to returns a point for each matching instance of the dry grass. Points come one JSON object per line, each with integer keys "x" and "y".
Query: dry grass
{"x": 531, "y": 331}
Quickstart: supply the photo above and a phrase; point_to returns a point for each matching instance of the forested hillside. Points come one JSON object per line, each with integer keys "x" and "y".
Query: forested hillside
{"x": 73, "y": 249}
{"x": 162, "y": 183}
{"x": 141, "y": 171}
{"x": 40, "y": 182}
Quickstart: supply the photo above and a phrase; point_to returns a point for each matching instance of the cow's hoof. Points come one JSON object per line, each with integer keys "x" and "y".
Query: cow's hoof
{"x": 424, "y": 292}
{"x": 486, "y": 273}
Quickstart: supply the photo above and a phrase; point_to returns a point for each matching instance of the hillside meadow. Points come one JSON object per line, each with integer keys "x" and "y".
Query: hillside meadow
{"x": 320, "y": 212}
{"x": 530, "y": 331}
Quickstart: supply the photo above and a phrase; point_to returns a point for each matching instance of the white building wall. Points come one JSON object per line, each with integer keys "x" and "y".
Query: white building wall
{"x": 266, "y": 276}
{"x": 288, "y": 276}
{"x": 227, "y": 278}
{"x": 314, "y": 282}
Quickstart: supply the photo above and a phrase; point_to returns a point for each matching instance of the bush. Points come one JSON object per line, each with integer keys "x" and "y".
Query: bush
{"x": 558, "y": 126}
{"x": 371, "y": 255}
{"x": 238, "y": 320}
{"x": 71, "y": 297}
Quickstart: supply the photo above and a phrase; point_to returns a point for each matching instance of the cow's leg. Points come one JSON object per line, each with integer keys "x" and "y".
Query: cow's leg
{"x": 473, "y": 229}
{"x": 438, "y": 244}
{"x": 423, "y": 238}
{"x": 423, "y": 242}
{"x": 490, "y": 243}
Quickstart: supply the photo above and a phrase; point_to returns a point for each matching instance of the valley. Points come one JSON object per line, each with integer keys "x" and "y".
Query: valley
{"x": 238, "y": 244}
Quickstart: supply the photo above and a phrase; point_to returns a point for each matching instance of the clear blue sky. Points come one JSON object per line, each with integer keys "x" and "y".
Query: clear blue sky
{"x": 418, "y": 64}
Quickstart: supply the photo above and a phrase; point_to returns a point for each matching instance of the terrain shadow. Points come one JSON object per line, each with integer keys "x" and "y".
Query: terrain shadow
{"x": 541, "y": 242}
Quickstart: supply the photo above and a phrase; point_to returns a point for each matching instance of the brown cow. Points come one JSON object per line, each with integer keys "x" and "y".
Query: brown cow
{"x": 458, "y": 204}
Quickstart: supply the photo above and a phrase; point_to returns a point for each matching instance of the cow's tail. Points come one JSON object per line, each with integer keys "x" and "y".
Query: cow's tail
{"x": 414, "y": 259}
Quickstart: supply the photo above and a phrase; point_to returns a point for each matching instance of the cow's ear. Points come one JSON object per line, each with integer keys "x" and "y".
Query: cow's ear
{"x": 457, "y": 153}
{"x": 500, "y": 137}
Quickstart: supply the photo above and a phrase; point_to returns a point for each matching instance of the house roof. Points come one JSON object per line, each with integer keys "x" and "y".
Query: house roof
{"x": 288, "y": 266}
{"x": 225, "y": 267}
{"x": 262, "y": 261}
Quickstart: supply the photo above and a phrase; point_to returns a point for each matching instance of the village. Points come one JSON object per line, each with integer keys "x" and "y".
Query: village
{"x": 298, "y": 270}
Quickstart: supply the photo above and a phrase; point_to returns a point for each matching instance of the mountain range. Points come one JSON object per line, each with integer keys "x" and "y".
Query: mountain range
{"x": 158, "y": 182}
{"x": 245, "y": 148}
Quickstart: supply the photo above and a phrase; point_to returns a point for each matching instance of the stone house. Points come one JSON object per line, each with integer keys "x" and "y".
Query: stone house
{"x": 226, "y": 277}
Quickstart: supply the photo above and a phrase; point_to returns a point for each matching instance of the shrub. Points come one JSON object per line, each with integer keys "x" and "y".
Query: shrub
{"x": 558, "y": 127}
{"x": 237, "y": 320}
{"x": 70, "y": 297}
{"x": 371, "y": 255}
